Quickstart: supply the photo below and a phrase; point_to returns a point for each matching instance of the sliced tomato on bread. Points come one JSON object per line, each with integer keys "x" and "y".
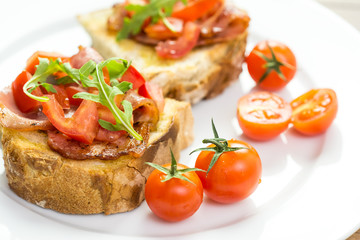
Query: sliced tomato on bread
{"x": 82, "y": 125}
{"x": 23, "y": 102}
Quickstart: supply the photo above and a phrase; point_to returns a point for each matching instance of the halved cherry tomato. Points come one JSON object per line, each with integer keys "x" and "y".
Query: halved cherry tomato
{"x": 194, "y": 9}
{"x": 154, "y": 92}
{"x": 174, "y": 49}
{"x": 82, "y": 126}
{"x": 133, "y": 76}
{"x": 314, "y": 111}
{"x": 23, "y": 102}
{"x": 161, "y": 32}
{"x": 71, "y": 91}
{"x": 234, "y": 176}
{"x": 174, "y": 199}
{"x": 271, "y": 64}
{"x": 263, "y": 115}
{"x": 33, "y": 61}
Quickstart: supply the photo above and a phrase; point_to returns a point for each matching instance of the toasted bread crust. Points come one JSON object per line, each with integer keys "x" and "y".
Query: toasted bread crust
{"x": 41, "y": 176}
{"x": 203, "y": 73}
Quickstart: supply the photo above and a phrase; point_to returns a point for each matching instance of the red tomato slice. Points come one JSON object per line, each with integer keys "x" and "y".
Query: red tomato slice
{"x": 23, "y": 102}
{"x": 194, "y": 9}
{"x": 133, "y": 76}
{"x": 154, "y": 92}
{"x": 33, "y": 61}
{"x": 61, "y": 96}
{"x": 174, "y": 49}
{"x": 263, "y": 115}
{"x": 82, "y": 126}
{"x": 314, "y": 111}
{"x": 161, "y": 32}
{"x": 71, "y": 91}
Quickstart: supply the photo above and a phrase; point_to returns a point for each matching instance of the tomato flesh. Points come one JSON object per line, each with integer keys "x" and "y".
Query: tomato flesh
{"x": 175, "y": 49}
{"x": 133, "y": 76}
{"x": 234, "y": 176}
{"x": 23, "y": 102}
{"x": 61, "y": 96}
{"x": 263, "y": 115}
{"x": 176, "y": 199}
{"x": 154, "y": 92}
{"x": 161, "y": 32}
{"x": 194, "y": 9}
{"x": 71, "y": 91}
{"x": 82, "y": 126}
{"x": 33, "y": 61}
{"x": 314, "y": 111}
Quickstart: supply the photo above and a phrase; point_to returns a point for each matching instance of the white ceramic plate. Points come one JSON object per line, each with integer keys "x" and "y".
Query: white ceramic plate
{"x": 309, "y": 187}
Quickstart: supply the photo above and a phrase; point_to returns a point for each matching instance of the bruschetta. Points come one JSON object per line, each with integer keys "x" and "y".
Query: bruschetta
{"x": 192, "y": 51}
{"x": 77, "y": 131}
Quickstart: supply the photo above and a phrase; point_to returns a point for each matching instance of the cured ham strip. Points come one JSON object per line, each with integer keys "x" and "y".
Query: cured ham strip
{"x": 123, "y": 145}
{"x": 12, "y": 117}
{"x": 84, "y": 55}
{"x": 144, "y": 109}
{"x": 230, "y": 24}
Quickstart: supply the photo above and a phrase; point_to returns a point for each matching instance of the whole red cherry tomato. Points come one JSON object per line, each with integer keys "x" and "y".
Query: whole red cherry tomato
{"x": 233, "y": 169}
{"x": 271, "y": 64}
{"x": 173, "y": 191}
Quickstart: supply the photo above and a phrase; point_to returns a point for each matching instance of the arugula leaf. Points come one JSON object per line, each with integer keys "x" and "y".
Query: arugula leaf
{"x": 153, "y": 10}
{"x": 106, "y": 98}
{"x": 49, "y": 87}
{"x": 43, "y": 71}
{"x": 107, "y": 92}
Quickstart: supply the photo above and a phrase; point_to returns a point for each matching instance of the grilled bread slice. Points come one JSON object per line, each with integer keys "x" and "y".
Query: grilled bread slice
{"x": 43, "y": 177}
{"x": 203, "y": 73}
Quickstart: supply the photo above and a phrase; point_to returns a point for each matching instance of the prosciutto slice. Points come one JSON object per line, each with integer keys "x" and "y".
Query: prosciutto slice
{"x": 84, "y": 55}
{"x": 12, "y": 117}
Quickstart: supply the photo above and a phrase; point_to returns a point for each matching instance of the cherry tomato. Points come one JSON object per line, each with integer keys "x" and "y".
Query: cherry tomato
{"x": 234, "y": 176}
{"x": 23, "y": 102}
{"x": 194, "y": 9}
{"x": 175, "y": 49}
{"x": 175, "y": 199}
{"x": 33, "y": 61}
{"x": 263, "y": 115}
{"x": 314, "y": 111}
{"x": 154, "y": 92}
{"x": 161, "y": 32}
{"x": 81, "y": 126}
{"x": 271, "y": 64}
